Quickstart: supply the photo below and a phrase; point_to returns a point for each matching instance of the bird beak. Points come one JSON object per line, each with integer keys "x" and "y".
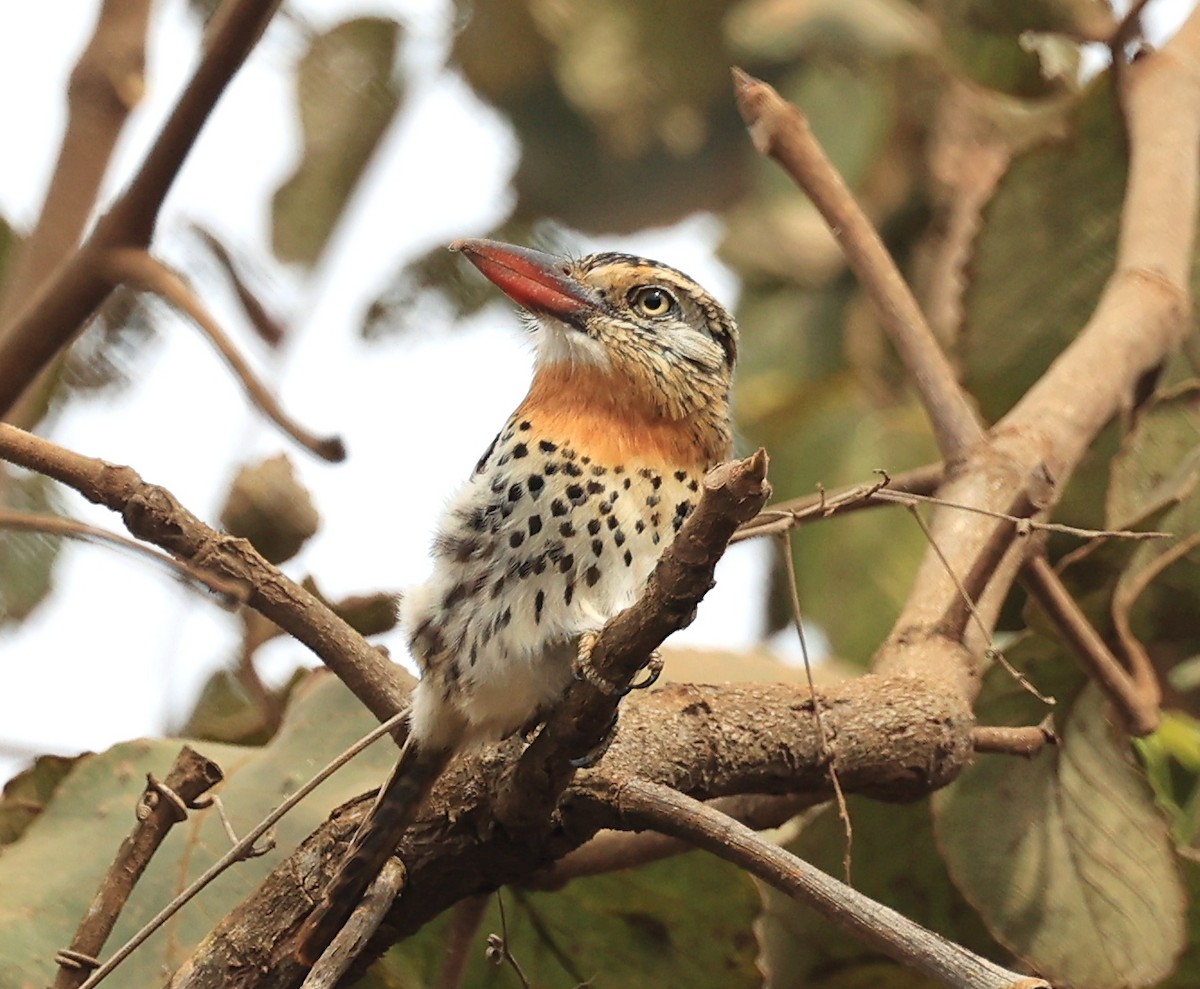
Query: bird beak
{"x": 534, "y": 280}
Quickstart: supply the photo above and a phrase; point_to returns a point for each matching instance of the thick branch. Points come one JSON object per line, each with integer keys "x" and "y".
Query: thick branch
{"x": 153, "y": 514}
{"x": 897, "y": 738}
{"x": 647, "y": 805}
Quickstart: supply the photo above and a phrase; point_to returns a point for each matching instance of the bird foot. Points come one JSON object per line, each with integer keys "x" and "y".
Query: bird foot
{"x": 596, "y": 753}
{"x": 584, "y": 670}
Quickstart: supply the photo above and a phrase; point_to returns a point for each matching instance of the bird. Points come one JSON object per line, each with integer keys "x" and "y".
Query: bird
{"x": 561, "y": 522}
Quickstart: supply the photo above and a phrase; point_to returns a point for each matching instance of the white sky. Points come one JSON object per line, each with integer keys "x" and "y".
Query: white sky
{"x": 120, "y": 649}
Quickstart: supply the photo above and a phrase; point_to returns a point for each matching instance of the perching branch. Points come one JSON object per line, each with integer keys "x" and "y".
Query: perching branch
{"x": 152, "y": 513}
{"x": 647, "y": 805}
{"x": 731, "y": 494}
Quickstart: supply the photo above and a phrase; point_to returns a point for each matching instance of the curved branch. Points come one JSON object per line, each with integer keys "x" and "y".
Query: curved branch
{"x": 780, "y": 130}
{"x": 141, "y": 271}
{"x": 57, "y": 525}
{"x": 648, "y": 805}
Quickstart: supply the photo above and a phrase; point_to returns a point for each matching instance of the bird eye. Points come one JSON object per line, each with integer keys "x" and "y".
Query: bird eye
{"x": 650, "y": 300}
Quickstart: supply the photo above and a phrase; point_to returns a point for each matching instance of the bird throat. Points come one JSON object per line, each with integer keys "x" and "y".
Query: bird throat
{"x": 599, "y": 412}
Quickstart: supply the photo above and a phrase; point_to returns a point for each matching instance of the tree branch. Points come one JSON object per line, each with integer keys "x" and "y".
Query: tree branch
{"x": 152, "y": 513}
{"x": 142, "y": 272}
{"x": 647, "y": 805}
{"x": 162, "y": 807}
{"x": 64, "y": 303}
{"x": 106, "y": 83}
{"x": 780, "y": 130}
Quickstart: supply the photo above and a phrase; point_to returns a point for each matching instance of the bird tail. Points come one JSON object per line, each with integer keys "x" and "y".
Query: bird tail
{"x": 412, "y": 778}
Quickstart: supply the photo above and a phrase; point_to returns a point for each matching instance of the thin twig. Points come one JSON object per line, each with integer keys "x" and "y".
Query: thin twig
{"x": 785, "y": 544}
{"x": 239, "y": 851}
{"x": 650, "y": 805}
{"x": 1141, "y": 669}
{"x": 58, "y": 525}
{"x": 1024, "y": 524}
{"x": 359, "y": 928}
{"x": 190, "y": 776}
{"x": 63, "y": 303}
{"x": 780, "y": 130}
{"x": 1025, "y": 740}
{"x": 465, "y": 919}
{"x": 1137, "y": 710}
{"x": 969, "y": 603}
{"x": 498, "y": 949}
{"x": 139, "y": 270}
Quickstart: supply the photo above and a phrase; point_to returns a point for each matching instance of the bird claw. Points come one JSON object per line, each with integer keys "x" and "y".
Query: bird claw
{"x": 596, "y": 753}
{"x": 584, "y": 670}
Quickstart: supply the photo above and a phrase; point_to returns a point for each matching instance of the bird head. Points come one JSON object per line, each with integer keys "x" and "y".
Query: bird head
{"x": 657, "y": 337}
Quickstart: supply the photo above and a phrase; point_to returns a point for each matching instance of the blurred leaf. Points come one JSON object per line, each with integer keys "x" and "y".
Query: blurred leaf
{"x": 685, "y": 921}
{"x": 623, "y": 109}
{"x": 226, "y": 711}
{"x": 894, "y": 862}
{"x": 10, "y": 240}
{"x": 867, "y": 558}
{"x": 1171, "y": 759}
{"x": 347, "y": 94}
{"x": 1075, "y": 871}
{"x": 26, "y": 794}
{"x": 26, "y": 558}
{"x": 1159, "y": 461}
{"x": 367, "y": 614}
{"x": 1044, "y": 253}
{"x": 1184, "y": 976}
{"x": 107, "y": 353}
{"x": 785, "y": 29}
{"x": 270, "y": 507}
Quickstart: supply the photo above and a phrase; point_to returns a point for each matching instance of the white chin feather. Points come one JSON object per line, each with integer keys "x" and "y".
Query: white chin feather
{"x": 558, "y": 343}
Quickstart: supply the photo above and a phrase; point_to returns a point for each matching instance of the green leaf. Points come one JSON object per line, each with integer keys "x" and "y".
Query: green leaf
{"x": 48, "y": 875}
{"x": 1065, "y": 856}
{"x": 1044, "y": 252}
{"x": 685, "y": 921}
{"x": 894, "y": 862}
{"x": 26, "y": 794}
{"x": 347, "y": 95}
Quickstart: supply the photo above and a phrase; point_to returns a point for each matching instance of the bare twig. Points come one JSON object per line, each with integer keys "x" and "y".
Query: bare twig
{"x": 1137, "y": 707}
{"x": 152, "y": 513}
{"x": 785, "y": 543}
{"x": 239, "y": 852}
{"x": 780, "y": 130}
{"x": 163, "y": 805}
{"x": 649, "y": 805}
{"x": 139, "y": 270}
{"x": 58, "y": 525}
{"x": 363, "y": 922}
{"x": 271, "y": 330}
{"x": 460, "y": 938}
{"x": 1027, "y": 740}
{"x": 63, "y": 303}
